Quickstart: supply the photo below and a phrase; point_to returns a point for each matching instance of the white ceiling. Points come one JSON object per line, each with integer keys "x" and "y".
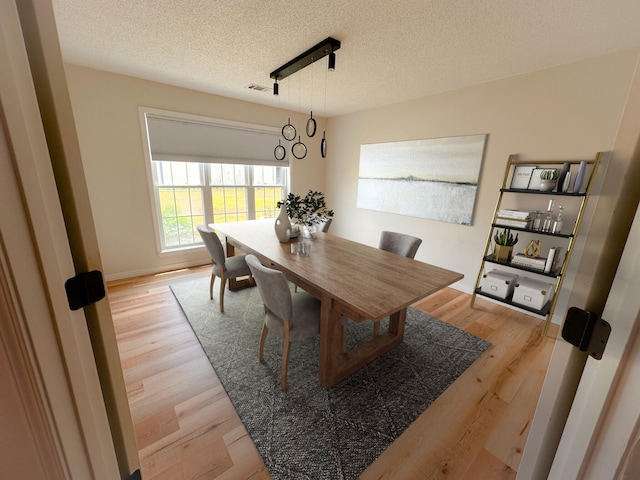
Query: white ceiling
{"x": 392, "y": 51}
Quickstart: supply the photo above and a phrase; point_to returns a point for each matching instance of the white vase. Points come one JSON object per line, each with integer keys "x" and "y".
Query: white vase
{"x": 283, "y": 225}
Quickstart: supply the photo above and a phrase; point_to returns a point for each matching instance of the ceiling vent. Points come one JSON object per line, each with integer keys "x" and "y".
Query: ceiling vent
{"x": 258, "y": 88}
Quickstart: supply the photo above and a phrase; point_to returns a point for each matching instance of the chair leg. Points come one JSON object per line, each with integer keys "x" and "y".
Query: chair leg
{"x": 213, "y": 277}
{"x": 223, "y": 282}
{"x": 285, "y": 354}
{"x": 263, "y": 338}
{"x": 295, "y": 288}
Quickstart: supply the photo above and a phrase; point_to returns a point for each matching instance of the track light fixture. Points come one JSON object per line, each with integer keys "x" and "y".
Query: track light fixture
{"x": 326, "y": 47}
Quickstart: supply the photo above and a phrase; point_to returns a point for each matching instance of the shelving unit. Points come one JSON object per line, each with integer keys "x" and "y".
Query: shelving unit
{"x": 556, "y": 277}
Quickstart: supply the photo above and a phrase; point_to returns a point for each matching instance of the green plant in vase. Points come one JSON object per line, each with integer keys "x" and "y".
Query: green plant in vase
{"x": 308, "y": 210}
{"x": 548, "y": 179}
{"x": 504, "y": 245}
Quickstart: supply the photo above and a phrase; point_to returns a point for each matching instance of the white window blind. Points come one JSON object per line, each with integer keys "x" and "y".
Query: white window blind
{"x": 180, "y": 140}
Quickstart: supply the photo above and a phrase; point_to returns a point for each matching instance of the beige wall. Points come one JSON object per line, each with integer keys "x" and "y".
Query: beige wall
{"x": 105, "y": 108}
{"x": 568, "y": 112}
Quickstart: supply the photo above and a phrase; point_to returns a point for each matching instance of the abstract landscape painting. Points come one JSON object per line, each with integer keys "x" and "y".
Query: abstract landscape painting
{"x": 435, "y": 178}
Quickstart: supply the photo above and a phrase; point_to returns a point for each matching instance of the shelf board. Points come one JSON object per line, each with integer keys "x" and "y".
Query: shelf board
{"x": 543, "y": 313}
{"x": 539, "y": 192}
{"x": 528, "y": 230}
{"x": 491, "y": 259}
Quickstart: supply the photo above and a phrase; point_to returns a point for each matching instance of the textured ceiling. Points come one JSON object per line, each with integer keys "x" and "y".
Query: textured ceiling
{"x": 392, "y": 51}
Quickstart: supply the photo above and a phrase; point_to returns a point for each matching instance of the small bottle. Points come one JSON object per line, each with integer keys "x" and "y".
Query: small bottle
{"x": 548, "y": 220}
{"x": 557, "y": 223}
{"x": 537, "y": 222}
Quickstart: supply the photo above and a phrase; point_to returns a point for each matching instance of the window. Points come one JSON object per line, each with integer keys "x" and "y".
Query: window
{"x": 205, "y": 171}
{"x": 190, "y": 194}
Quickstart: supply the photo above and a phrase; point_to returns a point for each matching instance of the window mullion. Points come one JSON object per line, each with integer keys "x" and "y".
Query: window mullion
{"x": 207, "y": 198}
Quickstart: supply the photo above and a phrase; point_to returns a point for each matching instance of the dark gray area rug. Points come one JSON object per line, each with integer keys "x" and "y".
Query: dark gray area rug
{"x": 310, "y": 432}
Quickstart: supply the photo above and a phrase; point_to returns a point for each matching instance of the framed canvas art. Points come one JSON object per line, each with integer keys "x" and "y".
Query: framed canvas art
{"x": 436, "y": 179}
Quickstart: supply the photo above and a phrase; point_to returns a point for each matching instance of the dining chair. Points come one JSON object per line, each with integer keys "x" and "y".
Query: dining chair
{"x": 291, "y": 318}
{"x": 223, "y": 267}
{"x": 400, "y": 244}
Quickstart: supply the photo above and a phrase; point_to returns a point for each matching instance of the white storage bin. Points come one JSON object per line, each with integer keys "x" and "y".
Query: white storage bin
{"x": 498, "y": 283}
{"x": 532, "y": 293}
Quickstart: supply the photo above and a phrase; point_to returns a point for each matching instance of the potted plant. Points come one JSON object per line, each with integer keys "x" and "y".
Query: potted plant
{"x": 308, "y": 210}
{"x": 548, "y": 179}
{"x": 504, "y": 245}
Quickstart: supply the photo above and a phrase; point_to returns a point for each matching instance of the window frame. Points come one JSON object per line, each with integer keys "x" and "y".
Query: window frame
{"x": 206, "y": 186}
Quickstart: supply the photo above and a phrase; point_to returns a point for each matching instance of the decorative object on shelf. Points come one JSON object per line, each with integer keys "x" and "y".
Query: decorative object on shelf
{"x": 514, "y": 218}
{"x": 498, "y": 283}
{"x": 283, "y": 224}
{"x": 562, "y": 175}
{"x": 279, "y": 152}
{"x": 547, "y": 223}
{"x": 537, "y": 221}
{"x": 531, "y": 293}
{"x": 522, "y": 176}
{"x": 548, "y": 179}
{"x": 582, "y": 168}
{"x": 327, "y": 47}
{"x": 534, "y": 182}
{"x": 504, "y": 245}
{"x": 533, "y": 249}
{"x": 310, "y": 210}
{"x": 567, "y": 182}
{"x": 557, "y": 223}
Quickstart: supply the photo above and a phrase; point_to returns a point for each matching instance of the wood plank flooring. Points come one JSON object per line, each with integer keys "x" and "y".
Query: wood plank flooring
{"x": 186, "y": 427}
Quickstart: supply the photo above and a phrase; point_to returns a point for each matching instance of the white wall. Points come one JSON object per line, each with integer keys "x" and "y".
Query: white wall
{"x": 105, "y": 108}
{"x": 568, "y": 112}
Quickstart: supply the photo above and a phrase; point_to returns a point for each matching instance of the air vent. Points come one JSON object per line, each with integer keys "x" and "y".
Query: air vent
{"x": 258, "y": 88}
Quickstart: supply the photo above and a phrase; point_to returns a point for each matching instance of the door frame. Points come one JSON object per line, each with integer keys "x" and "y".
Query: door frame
{"x": 37, "y": 262}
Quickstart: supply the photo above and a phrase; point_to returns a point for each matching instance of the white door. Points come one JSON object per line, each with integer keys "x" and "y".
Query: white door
{"x": 55, "y": 365}
{"x": 602, "y": 434}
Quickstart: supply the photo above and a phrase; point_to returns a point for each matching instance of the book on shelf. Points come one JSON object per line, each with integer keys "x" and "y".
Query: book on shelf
{"x": 517, "y": 214}
{"x": 512, "y": 222}
{"x": 553, "y": 260}
{"x": 537, "y": 263}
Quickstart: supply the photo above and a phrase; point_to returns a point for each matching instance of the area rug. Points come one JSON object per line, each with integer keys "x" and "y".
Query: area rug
{"x": 309, "y": 431}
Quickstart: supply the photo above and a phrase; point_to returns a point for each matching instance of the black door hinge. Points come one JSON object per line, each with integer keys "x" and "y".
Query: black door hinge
{"x": 84, "y": 289}
{"x": 587, "y": 331}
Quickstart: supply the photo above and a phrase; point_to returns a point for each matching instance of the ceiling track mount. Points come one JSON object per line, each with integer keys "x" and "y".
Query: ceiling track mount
{"x": 327, "y": 47}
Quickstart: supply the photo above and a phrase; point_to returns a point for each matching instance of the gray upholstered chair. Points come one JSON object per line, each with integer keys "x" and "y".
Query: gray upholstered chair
{"x": 399, "y": 243}
{"x": 289, "y": 317}
{"x": 223, "y": 268}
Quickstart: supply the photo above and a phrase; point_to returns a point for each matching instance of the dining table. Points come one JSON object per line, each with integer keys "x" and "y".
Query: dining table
{"x": 351, "y": 279}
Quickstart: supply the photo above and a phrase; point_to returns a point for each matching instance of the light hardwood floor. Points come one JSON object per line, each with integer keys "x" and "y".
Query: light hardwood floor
{"x": 186, "y": 427}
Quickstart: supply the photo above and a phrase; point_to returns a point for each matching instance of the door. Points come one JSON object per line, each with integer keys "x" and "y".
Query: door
{"x": 54, "y": 370}
{"x": 601, "y": 438}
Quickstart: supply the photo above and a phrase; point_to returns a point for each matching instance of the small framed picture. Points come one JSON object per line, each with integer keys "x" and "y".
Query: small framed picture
{"x": 534, "y": 183}
{"x": 522, "y": 176}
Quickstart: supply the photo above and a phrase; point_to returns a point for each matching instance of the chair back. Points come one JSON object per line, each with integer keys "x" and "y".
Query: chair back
{"x": 273, "y": 287}
{"x": 399, "y": 243}
{"x": 213, "y": 244}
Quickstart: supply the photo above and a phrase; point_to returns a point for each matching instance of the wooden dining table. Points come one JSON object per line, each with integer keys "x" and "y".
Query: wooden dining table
{"x": 361, "y": 282}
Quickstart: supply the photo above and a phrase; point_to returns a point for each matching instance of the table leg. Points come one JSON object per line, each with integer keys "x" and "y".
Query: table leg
{"x": 334, "y": 365}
